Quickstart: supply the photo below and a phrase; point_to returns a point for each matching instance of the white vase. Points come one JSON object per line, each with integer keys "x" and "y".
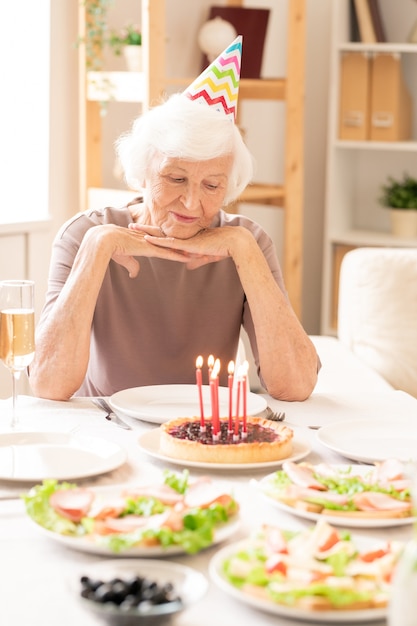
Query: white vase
{"x": 404, "y": 222}
{"x": 133, "y": 58}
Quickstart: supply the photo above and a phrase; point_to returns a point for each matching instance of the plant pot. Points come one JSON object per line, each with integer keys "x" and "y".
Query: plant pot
{"x": 133, "y": 58}
{"x": 404, "y": 222}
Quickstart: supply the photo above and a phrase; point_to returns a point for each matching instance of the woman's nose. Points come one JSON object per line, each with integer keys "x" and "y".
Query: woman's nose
{"x": 191, "y": 197}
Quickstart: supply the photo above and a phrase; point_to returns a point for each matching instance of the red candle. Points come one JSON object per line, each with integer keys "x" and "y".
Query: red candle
{"x": 244, "y": 392}
{"x": 236, "y": 435}
{"x": 231, "y": 369}
{"x": 199, "y": 380}
{"x": 214, "y": 383}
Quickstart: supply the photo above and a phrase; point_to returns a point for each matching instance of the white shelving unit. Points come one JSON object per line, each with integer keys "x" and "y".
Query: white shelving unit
{"x": 357, "y": 169}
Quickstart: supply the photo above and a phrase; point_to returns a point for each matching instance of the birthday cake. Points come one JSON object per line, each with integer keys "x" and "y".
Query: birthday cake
{"x": 264, "y": 441}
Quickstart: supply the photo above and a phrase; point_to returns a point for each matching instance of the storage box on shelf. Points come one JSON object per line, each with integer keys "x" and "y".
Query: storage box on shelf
{"x": 358, "y": 159}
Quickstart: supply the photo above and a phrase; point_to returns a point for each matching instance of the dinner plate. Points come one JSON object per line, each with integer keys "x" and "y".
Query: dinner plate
{"x": 160, "y": 403}
{"x": 85, "y": 544}
{"x": 335, "y": 520}
{"x": 372, "y": 440}
{"x": 36, "y": 456}
{"x": 149, "y": 443}
{"x": 333, "y": 616}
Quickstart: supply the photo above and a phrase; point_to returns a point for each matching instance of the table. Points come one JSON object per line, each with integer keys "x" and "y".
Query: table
{"x": 34, "y": 571}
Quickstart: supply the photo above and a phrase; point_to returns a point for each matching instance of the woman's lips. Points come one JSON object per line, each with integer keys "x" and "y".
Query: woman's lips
{"x": 184, "y": 219}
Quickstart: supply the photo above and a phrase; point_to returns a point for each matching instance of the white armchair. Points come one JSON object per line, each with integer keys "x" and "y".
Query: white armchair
{"x": 377, "y": 312}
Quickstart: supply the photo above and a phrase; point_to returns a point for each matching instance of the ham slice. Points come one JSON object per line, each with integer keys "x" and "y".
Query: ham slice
{"x": 74, "y": 504}
{"x": 203, "y": 493}
{"x": 164, "y": 493}
{"x": 389, "y": 470}
{"x": 375, "y": 501}
{"x": 302, "y": 475}
{"x": 294, "y": 493}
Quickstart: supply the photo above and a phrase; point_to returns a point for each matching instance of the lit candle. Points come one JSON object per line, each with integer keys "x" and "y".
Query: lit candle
{"x": 210, "y": 363}
{"x": 245, "y": 368}
{"x": 231, "y": 369}
{"x": 214, "y": 385}
{"x": 199, "y": 380}
{"x": 236, "y": 433}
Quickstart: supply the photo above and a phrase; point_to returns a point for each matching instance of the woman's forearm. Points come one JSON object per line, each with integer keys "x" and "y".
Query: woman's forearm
{"x": 287, "y": 357}
{"x": 63, "y": 340}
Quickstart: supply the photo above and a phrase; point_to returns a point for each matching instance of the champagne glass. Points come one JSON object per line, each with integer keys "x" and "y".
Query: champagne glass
{"x": 17, "y": 330}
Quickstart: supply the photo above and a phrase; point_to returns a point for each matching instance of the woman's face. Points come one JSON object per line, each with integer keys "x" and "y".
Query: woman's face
{"x": 184, "y": 196}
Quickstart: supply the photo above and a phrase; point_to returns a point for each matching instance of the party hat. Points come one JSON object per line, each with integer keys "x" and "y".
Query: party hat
{"x": 218, "y": 84}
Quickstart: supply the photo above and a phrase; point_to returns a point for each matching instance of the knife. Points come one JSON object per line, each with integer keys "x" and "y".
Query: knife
{"x": 111, "y": 415}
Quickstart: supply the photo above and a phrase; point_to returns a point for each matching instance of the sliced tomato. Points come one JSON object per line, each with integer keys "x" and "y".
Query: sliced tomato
{"x": 275, "y": 563}
{"x": 372, "y": 555}
{"x": 329, "y": 540}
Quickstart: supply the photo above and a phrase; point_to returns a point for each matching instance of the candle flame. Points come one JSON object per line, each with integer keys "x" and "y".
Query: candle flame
{"x": 243, "y": 370}
{"x": 231, "y": 367}
{"x": 199, "y": 362}
{"x": 216, "y": 369}
{"x": 210, "y": 361}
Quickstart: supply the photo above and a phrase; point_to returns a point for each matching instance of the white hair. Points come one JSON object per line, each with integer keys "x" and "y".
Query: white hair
{"x": 182, "y": 128}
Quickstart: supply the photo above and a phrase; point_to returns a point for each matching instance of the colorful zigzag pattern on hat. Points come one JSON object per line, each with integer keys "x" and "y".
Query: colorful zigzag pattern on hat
{"x": 218, "y": 84}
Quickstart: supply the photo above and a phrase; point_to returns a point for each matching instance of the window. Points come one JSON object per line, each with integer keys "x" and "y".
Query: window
{"x": 24, "y": 117}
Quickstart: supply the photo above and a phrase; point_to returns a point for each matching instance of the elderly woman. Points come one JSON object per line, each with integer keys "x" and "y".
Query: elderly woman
{"x": 137, "y": 293}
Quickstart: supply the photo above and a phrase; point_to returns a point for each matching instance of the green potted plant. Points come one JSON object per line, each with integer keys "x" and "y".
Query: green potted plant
{"x": 128, "y": 41}
{"x": 400, "y": 197}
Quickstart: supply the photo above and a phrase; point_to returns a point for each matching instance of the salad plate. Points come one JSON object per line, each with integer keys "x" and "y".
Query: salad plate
{"x": 372, "y": 440}
{"x": 100, "y": 528}
{"x": 258, "y": 600}
{"x": 160, "y": 403}
{"x": 271, "y": 493}
{"x": 84, "y": 544}
{"x": 149, "y": 443}
{"x": 35, "y": 456}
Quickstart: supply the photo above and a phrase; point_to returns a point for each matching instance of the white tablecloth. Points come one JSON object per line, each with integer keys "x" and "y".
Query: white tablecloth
{"x": 34, "y": 570}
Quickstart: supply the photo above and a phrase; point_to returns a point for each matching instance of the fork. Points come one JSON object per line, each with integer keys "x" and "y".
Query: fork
{"x": 110, "y": 414}
{"x": 274, "y": 416}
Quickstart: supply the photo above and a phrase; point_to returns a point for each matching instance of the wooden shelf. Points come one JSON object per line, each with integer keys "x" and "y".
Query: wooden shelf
{"x": 116, "y": 86}
{"x": 264, "y": 194}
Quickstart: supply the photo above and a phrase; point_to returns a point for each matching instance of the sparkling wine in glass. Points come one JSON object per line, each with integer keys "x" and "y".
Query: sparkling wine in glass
{"x": 17, "y": 330}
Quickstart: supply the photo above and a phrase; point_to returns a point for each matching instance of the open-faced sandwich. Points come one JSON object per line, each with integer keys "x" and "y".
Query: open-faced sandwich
{"x": 177, "y": 512}
{"x": 319, "y": 568}
{"x": 374, "y": 492}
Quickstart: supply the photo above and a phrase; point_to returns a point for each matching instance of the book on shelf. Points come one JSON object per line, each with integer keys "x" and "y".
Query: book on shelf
{"x": 355, "y": 82}
{"x": 377, "y": 21}
{"x": 391, "y": 103}
{"x": 365, "y": 23}
{"x": 353, "y": 23}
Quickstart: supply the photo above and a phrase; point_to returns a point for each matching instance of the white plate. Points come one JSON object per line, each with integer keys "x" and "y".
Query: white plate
{"x": 188, "y": 584}
{"x": 149, "y": 443}
{"x": 372, "y": 440}
{"x": 85, "y": 544}
{"x": 216, "y": 573}
{"x": 160, "y": 403}
{"x": 35, "y": 456}
{"x": 335, "y": 520}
